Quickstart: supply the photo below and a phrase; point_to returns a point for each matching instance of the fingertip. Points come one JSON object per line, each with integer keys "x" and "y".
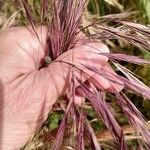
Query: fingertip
{"x": 79, "y": 100}
{"x": 116, "y": 87}
{"x": 100, "y": 82}
{"x": 100, "y": 47}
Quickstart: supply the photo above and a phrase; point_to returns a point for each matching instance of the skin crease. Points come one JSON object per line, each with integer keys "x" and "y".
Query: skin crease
{"x": 27, "y": 92}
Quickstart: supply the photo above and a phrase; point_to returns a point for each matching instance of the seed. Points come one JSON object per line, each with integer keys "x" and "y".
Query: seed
{"x": 47, "y": 60}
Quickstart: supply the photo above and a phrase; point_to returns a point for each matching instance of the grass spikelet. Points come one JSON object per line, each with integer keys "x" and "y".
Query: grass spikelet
{"x": 116, "y": 33}
{"x": 127, "y": 58}
{"x": 44, "y": 9}
{"x": 64, "y": 27}
{"x": 102, "y": 109}
{"x": 134, "y": 117}
{"x": 60, "y": 132}
{"x": 29, "y": 13}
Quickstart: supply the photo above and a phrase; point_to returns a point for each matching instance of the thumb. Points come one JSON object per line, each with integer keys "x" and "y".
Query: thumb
{"x": 27, "y": 92}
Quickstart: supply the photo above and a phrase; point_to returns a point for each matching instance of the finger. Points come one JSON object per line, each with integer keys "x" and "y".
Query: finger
{"x": 105, "y": 83}
{"x": 87, "y": 54}
{"x": 115, "y": 83}
{"x": 100, "y": 82}
{"x": 80, "y": 95}
{"x": 82, "y": 56}
{"x": 79, "y": 91}
{"x": 79, "y": 100}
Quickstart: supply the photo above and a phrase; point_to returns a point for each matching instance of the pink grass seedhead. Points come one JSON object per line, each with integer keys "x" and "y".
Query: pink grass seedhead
{"x": 64, "y": 33}
{"x": 64, "y": 27}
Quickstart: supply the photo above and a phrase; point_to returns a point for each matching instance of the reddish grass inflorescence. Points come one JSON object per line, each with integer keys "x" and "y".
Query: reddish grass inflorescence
{"x": 63, "y": 34}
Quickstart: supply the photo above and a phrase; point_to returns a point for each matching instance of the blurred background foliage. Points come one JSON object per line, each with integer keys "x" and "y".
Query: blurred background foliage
{"x": 12, "y": 14}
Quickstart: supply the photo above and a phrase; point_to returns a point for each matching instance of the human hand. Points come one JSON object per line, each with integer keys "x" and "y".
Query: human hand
{"x": 28, "y": 90}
